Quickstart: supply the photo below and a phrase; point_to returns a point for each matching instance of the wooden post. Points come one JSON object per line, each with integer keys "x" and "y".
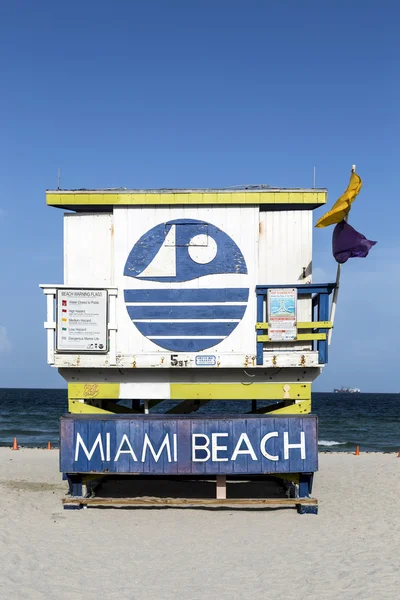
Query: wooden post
{"x": 221, "y": 487}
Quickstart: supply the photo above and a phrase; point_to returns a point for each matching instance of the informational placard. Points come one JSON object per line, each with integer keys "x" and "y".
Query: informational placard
{"x": 282, "y": 318}
{"x": 82, "y": 320}
{"x": 205, "y": 360}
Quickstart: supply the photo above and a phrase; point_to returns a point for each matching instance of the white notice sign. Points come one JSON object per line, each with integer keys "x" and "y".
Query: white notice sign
{"x": 282, "y": 305}
{"x": 82, "y": 321}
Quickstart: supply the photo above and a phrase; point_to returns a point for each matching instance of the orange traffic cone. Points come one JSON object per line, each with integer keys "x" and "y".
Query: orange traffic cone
{"x": 357, "y": 452}
{"x": 48, "y": 446}
{"x": 15, "y": 444}
{"x": 398, "y": 456}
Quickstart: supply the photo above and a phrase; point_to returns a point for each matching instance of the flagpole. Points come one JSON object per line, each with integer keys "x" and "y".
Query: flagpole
{"x": 336, "y": 290}
{"x": 334, "y": 302}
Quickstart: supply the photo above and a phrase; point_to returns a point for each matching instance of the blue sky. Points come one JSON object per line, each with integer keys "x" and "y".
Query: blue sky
{"x": 207, "y": 93}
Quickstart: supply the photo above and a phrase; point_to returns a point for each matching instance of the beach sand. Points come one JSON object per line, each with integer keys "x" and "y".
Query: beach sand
{"x": 349, "y": 551}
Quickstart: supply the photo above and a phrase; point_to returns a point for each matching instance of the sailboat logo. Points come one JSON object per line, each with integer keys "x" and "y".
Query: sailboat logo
{"x": 174, "y": 316}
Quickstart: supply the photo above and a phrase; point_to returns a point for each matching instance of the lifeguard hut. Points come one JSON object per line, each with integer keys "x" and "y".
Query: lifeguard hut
{"x": 190, "y": 295}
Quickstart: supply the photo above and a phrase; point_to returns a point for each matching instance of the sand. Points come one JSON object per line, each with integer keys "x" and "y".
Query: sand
{"x": 349, "y": 551}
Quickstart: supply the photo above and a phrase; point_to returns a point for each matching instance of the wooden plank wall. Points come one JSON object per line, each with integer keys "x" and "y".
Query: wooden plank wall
{"x": 168, "y": 445}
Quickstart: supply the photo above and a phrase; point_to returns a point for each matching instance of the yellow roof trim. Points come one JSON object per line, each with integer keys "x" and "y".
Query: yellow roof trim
{"x": 102, "y": 198}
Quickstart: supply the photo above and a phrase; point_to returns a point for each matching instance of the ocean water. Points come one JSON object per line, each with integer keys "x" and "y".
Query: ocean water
{"x": 371, "y": 421}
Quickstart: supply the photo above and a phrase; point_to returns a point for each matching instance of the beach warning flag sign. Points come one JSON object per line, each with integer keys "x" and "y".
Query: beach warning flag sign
{"x": 346, "y": 241}
{"x": 349, "y": 243}
{"x": 342, "y": 206}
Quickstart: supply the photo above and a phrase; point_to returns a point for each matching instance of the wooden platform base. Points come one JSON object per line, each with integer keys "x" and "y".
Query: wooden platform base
{"x": 303, "y": 505}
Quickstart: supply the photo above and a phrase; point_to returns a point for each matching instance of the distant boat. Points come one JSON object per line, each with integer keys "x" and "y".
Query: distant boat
{"x": 345, "y": 390}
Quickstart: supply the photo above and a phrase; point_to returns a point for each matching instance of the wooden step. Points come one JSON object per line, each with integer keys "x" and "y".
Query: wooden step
{"x": 148, "y": 501}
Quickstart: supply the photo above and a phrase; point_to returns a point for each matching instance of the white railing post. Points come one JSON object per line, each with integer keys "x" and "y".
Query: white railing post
{"x": 50, "y": 324}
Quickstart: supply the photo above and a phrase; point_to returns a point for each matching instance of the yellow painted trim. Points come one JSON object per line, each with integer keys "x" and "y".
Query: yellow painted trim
{"x": 303, "y": 325}
{"x": 240, "y": 391}
{"x": 306, "y": 337}
{"x": 81, "y": 408}
{"x": 297, "y": 408}
{"x": 106, "y": 391}
{"x": 98, "y": 406}
{"x": 110, "y": 198}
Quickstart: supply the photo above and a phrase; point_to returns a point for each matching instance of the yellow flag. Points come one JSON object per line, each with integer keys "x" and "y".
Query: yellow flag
{"x": 342, "y": 206}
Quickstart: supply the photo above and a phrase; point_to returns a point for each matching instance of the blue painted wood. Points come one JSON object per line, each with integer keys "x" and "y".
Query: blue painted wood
{"x": 305, "y": 485}
{"x": 125, "y": 463}
{"x": 110, "y": 429}
{"x": 187, "y": 312}
{"x": 297, "y": 440}
{"x": 198, "y": 455}
{"x": 226, "y": 425}
{"x": 75, "y": 485}
{"x": 170, "y": 429}
{"x": 320, "y": 300}
{"x": 254, "y": 433}
{"x": 145, "y": 444}
{"x": 212, "y": 328}
{"x": 185, "y": 449}
{"x": 229, "y": 258}
{"x": 270, "y": 446}
{"x": 212, "y": 430}
{"x": 243, "y": 463}
{"x": 260, "y": 319}
{"x": 280, "y": 427}
{"x": 323, "y": 315}
{"x": 307, "y": 509}
{"x": 188, "y": 295}
{"x": 304, "y": 491}
{"x": 311, "y": 435}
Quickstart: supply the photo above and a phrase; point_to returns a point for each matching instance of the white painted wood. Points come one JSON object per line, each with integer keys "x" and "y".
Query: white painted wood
{"x": 154, "y": 384}
{"x": 277, "y": 247}
{"x": 88, "y": 249}
{"x": 50, "y": 346}
{"x": 50, "y": 325}
{"x": 112, "y": 328}
{"x": 162, "y": 361}
{"x": 163, "y": 263}
{"x": 240, "y": 223}
{"x": 285, "y": 247}
{"x": 285, "y": 256}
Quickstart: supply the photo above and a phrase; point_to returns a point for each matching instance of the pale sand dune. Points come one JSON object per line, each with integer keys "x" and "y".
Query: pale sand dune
{"x": 350, "y": 550}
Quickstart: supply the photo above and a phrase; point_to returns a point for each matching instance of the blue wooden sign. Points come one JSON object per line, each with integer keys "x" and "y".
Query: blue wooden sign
{"x": 198, "y": 445}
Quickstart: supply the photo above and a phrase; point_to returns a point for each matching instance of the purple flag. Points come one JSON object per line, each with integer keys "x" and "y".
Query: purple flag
{"x": 348, "y": 243}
